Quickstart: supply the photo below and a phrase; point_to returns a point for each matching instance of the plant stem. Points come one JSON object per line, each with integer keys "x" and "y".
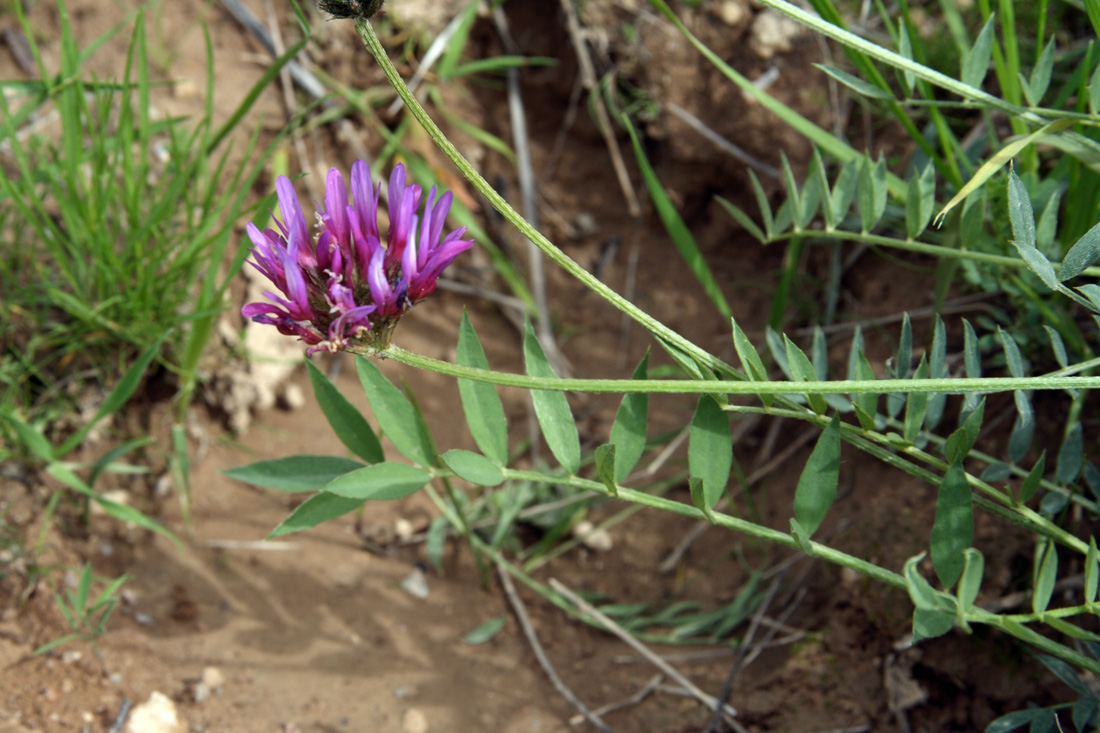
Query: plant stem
{"x": 982, "y": 385}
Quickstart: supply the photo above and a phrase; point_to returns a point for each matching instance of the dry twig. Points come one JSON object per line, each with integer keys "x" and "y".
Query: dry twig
{"x": 540, "y": 655}
{"x": 710, "y": 701}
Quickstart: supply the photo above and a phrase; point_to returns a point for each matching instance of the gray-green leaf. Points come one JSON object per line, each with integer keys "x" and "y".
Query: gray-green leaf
{"x": 551, "y": 408}
{"x": 817, "y": 485}
{"x": 474, "y": 467}
{"x": 395, "y": 414}
{"x": 347, "y": 422}
{"x": 382, "y": 481}
{"x": 480, "y": 400}
{"x": 953, "y": 529}
{"x": 294, "y": 473}
{"x": 710, "y": 451}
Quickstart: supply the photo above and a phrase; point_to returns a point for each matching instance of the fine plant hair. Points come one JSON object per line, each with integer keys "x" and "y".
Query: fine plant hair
{"x": 903, "y": 418}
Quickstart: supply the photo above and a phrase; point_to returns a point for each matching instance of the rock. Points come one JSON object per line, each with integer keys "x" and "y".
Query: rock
{"x": 213, "y": 677}
{"x": 592, "y": 538}
{"x": 416, "y": 584}
{"x": 414, "y": 722}
{"x": 155, "y": 715}
{"x": 772, "y": 33}
{"x": 404, "y": 529}
{"x": 733, "y": 12}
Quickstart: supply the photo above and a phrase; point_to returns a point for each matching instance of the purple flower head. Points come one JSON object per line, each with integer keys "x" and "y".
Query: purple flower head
{"x": 344, "y": 288}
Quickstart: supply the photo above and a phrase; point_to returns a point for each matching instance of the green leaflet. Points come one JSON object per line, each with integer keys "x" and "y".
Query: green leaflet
{"x": 395, "y": 414}
{"x": 953, "y": 529}
{"x": 604, "y": 458}
{"x": 710, "y": 451}
{"x": 628, "y": 433}
{"x": 294, "y": 473}
{"x": 474, "y": 467}
{"x": 317, "y": 509}
{"x": 381, "y": 481}
{"x": 551, "y": 408}
{"x": 480, "y": 400}
{"x": 1034, "y": 478}
{"x": 349, "y": 425}
{"x": 1046, "y": 574}
{"x": 817, "y": 485}
{"x": 971, "y": 581}
{"x": 485, "y": 632}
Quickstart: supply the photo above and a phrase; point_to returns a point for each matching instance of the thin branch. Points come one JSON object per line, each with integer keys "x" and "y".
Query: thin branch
{"x": 634, "y": 699}
{"x": 587, "y": 608}
{"x": 540, "y": 655}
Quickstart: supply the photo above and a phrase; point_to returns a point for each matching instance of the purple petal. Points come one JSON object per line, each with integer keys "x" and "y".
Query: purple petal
{"x": 292, "y": 211}
{"x": 336, "y": 206}
{"x": 364, "y": 198}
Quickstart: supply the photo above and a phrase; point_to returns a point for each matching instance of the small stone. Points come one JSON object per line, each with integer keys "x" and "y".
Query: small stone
{"x": 772, "y": 33}
{"x": 732, "y": 12}
{"x": 416, "y": 584}
{"x": 155, "y": 715}
{"x": 592, "y": 538}
{"x": 404, "y": 529}
{"x": 213, "y": 678}
{"x": 143, "y": 619}
{"x": 67, "y": 686}
{"x": 402, "y": 693}
{"x": 414, "y": 722}
{"x": 71, "y": 656}
{"x": 185, "y": 89}
{"x": 200, "y": 692}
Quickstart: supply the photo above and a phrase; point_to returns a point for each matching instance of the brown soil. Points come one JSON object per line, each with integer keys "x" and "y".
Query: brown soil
{"x": 318, "y": 634}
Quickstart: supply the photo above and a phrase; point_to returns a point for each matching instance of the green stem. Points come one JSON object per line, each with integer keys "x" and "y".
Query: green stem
{"x": 982, "y": 385}
{"x": 658, "y": 329}
{"x": 909, "y": 245}
{"x": 722, "y": 520}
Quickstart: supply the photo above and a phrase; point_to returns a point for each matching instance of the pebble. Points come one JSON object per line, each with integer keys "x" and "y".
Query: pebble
{"x": 414, "y": 722}
{"x": 404, "y": 529}
{"x": 416, "y": 584}
{"x": 143, "y": 619}
{"x": 592, "y": 538}
{"x": 213, "y": 677}
{"x": 209, "y": 683}
{"x": 772, "y": 33}
{"x": 402, "y": 693}
{"x": 732, "y": 12}
{"x": 155, "y": 715}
